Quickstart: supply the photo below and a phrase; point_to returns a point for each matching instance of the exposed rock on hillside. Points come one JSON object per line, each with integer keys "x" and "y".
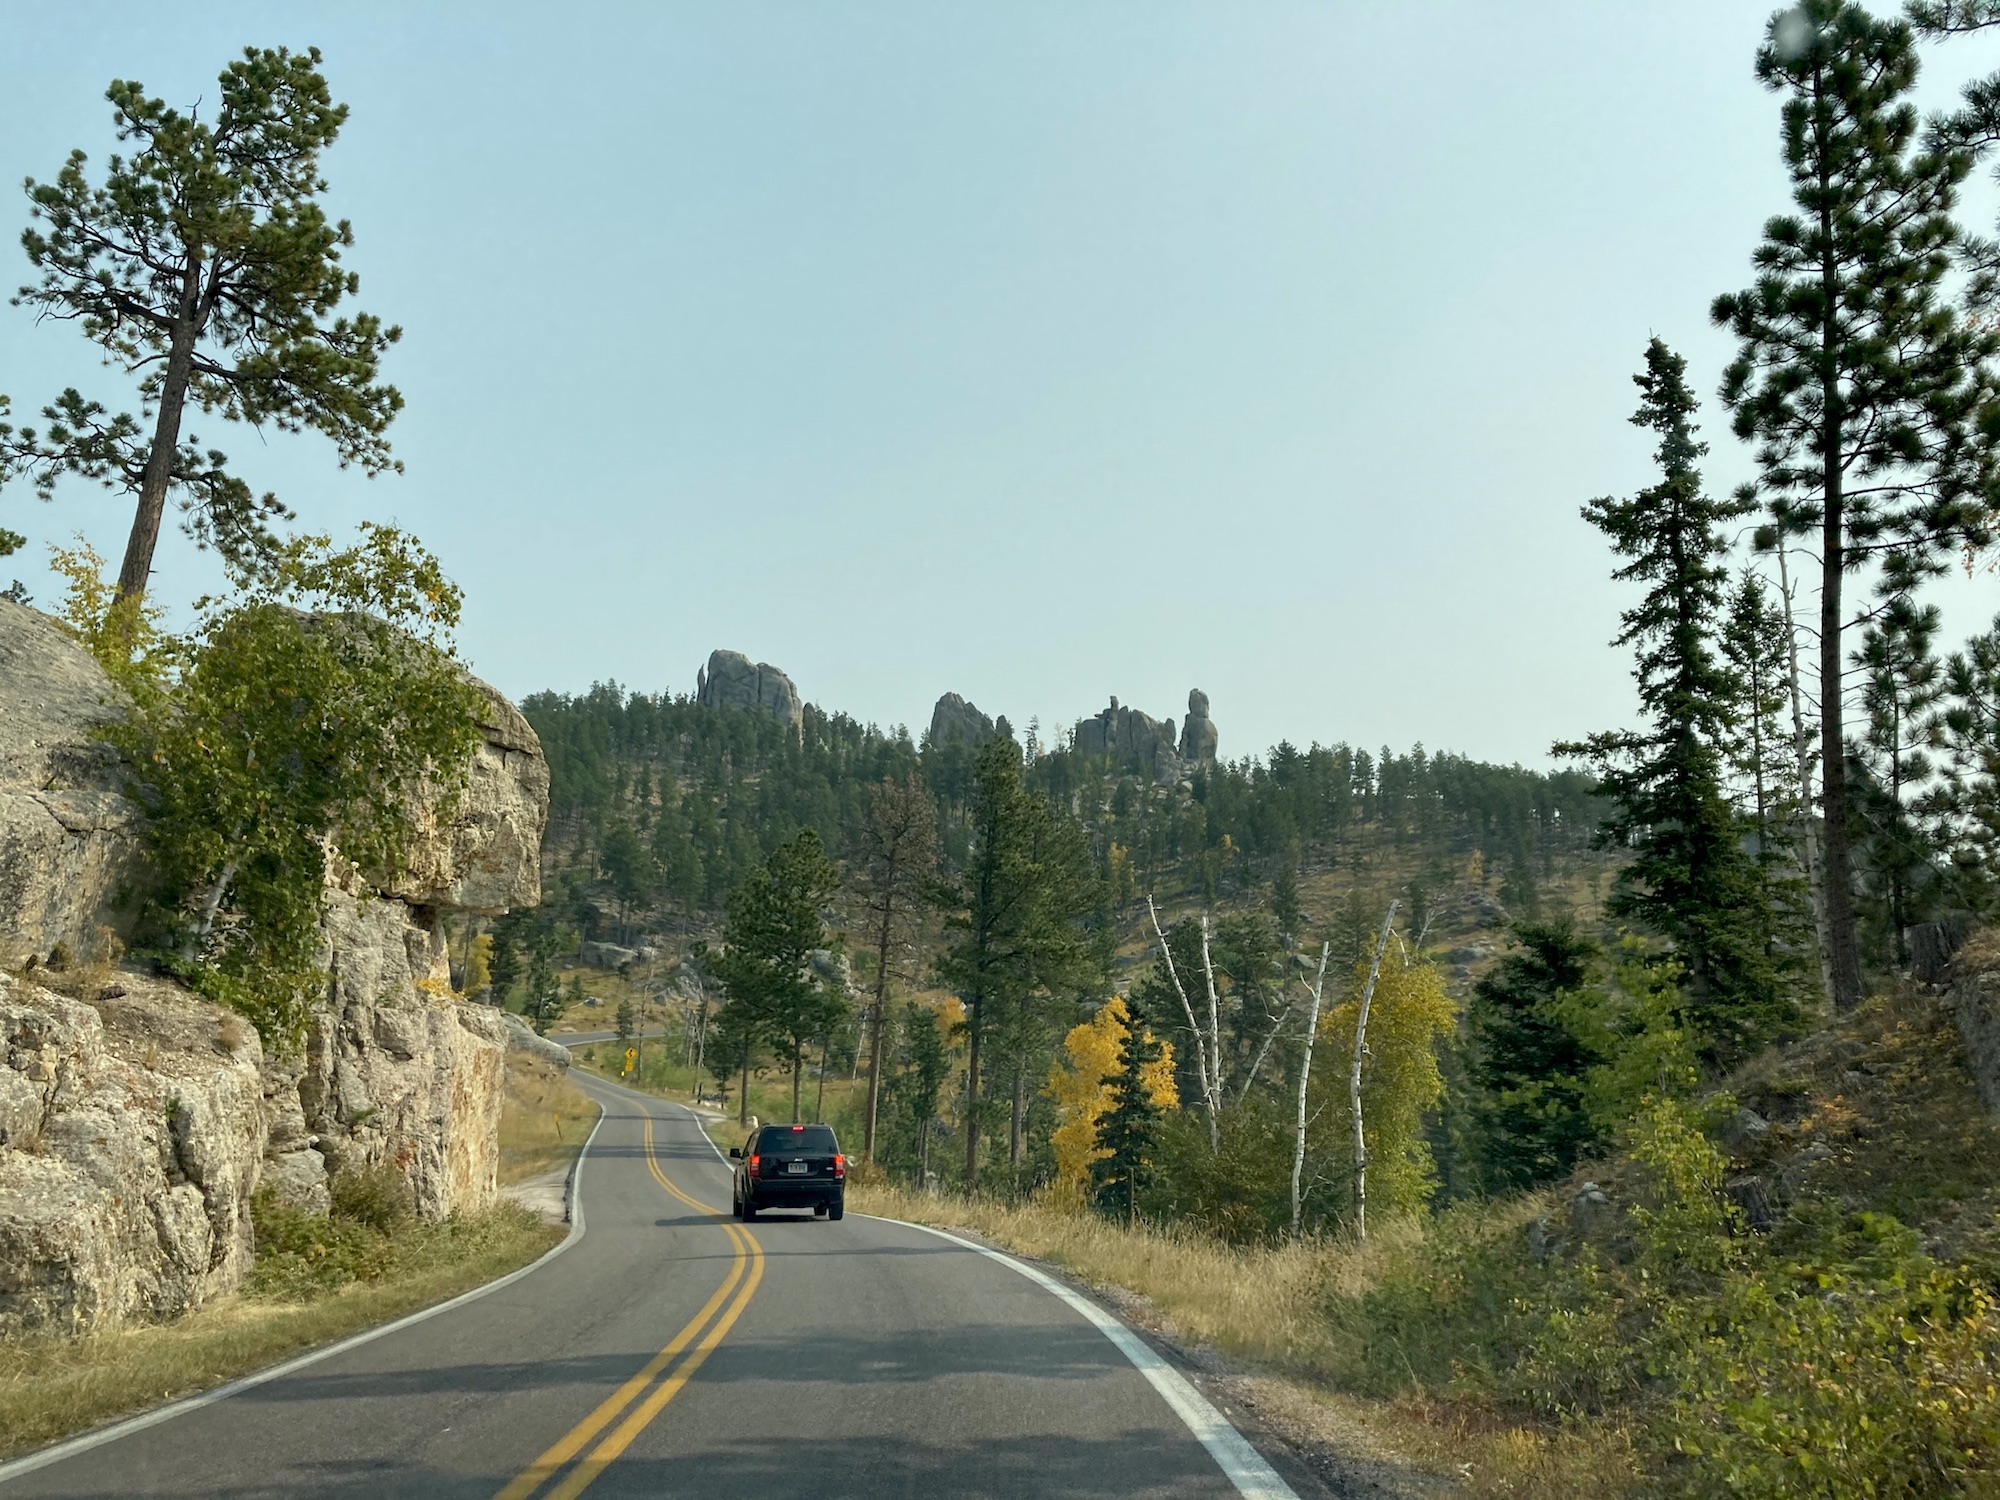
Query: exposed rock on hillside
{"x": 732, "y": 680}
{"x": 125, "y": 1126}
{"x": 1974, "y": 999}
{"x": 957, "y": 722}
{"x": 132, "y": 1130}
{"x": 1198, "y": 736}
{"x": 487, "y": 859}
{"x": 69, "y": 837}
{"x": 1131, "y": 738}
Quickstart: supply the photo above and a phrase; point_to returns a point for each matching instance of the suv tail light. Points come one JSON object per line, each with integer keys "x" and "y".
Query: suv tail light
{"x": 839, "y": 1165}
{"x": 753, "y": 1165}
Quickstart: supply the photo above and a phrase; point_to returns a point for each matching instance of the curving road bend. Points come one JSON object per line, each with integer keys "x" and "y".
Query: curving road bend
{"x": 671, "y": 1351}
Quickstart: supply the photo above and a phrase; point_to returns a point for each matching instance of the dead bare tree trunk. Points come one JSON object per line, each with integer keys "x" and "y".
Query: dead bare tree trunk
{"x": 1802, "y": 757}
{"x": 1305, "y": 1072}
{"x": 1201, "y": 1064}
{"x": 1354, "y": 1081}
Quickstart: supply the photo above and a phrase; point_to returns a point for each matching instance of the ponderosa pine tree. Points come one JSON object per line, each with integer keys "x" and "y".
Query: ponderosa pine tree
{"x": 774, "y": 927}
{"x": 1690, "y": 879}
{"x": 1870, "y": 399}
{"x": 204, "y": 266}
{"x": 1016, "y": 916}
{"x": 899, "y": 857}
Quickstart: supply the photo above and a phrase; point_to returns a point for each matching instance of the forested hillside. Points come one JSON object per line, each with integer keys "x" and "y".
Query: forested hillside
{"x": 660, "y": 806}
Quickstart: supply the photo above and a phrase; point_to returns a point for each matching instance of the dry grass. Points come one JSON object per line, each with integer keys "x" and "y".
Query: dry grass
{"x": 52, "y": 1387}
{"x": 1265, "y": 1307}
{"x": 544, "y": 1118}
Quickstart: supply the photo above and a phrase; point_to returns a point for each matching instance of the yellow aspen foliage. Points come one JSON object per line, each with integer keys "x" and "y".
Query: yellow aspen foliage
{"x": 1400, "y": 1081}
{"x": 1124, "y": 880}
{"x": 479, "y": 965}
{"x": 1082, "y": 1091}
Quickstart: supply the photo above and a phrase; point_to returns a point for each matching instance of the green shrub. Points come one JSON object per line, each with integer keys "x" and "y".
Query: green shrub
{"x": 377, "y": 1197}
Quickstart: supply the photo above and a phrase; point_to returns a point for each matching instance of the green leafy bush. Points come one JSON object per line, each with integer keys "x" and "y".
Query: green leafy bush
{"x": 1834, "y": 1359}
{"x": 314, "y": 715}
{"x": 369, "y": 1235}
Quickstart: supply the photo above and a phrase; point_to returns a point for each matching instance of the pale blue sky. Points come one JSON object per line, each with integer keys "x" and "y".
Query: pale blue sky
{"x": 1039, "y": 352}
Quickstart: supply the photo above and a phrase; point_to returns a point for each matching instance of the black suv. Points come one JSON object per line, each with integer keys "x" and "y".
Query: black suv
{"x": 789, "y": 1166}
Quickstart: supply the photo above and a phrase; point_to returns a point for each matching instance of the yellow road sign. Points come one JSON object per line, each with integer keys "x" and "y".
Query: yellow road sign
{"x": 631, "y": 1057}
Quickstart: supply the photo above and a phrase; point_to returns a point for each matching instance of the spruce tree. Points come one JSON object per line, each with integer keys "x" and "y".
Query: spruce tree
{"x": 1902, "y": 688}
{"x": 1969, "y": 801}
{"x": 1756, "y": 641}
{"x": 1867, "y": 394}
{"x": 1690, "y": 879}
{"x": 1128, "y": 1131}
{"x": 1528, "y": 1065}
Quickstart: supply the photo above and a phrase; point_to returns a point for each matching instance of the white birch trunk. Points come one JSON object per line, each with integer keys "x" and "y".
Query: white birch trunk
{"x": 1305, "y": 1072}
{"x": 1194, "y": 1026}
{"x": 1354, "y": 1081}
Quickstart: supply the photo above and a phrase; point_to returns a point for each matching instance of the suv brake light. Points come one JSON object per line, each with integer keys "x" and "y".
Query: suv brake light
{"x": 753, "y": 1164}
{"x": 839, "y": 1165}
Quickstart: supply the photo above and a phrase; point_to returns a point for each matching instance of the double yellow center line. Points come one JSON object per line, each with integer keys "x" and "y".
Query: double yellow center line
{"x": 641, "y": 1398}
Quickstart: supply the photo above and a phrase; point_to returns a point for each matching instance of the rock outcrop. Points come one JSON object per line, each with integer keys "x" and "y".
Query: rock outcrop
{"x": 732, "y": 680}
{"x": 487, "y": 858}
{"x": 135, "y": 1122}
{"x": 1974, "y": 1000}
{"x": 1134, "y": 740}
{"x": 132, "y": 1133}
{"x": 1198, "y": 736}
{"x": 69, "y": 837}
{"x": 957, "y": 722}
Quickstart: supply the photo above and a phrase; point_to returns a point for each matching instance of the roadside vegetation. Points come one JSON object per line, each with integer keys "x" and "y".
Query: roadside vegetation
{"x": 544, "y": 1119}
{"x": 1601, "y": 1129}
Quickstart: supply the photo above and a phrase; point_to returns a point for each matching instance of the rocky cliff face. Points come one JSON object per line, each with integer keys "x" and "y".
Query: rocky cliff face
{"x": 132, "y": 1132}
{"x": 124, "y": 1126}
{"x": 69, "y": 837}
{"x": 732, "y": 680}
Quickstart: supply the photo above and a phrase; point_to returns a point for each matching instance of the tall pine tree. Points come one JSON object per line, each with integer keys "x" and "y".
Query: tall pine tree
{"x": 1869, "y": 398}
{"x": 1691, "y": 879}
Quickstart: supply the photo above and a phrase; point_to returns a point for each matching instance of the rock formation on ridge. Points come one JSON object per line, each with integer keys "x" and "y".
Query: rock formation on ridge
{"x": 1132, "y": 739}
{"x": 1198, "y": 736}
{"x": 957, "y": 722}
{"x": 732, "y": 680}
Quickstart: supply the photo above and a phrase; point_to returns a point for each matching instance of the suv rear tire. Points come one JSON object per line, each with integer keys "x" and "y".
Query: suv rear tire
{"x": 836, "y": 1208}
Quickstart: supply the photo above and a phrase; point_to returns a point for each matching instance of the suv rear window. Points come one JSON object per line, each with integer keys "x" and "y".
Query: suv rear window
{"x": 814, "y": 1139}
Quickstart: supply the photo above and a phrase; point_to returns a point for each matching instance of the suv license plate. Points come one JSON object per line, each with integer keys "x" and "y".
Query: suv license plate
{"x": 798, "y": 1168}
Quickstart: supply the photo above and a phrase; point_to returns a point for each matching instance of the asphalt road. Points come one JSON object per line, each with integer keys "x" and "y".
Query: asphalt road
{"x": 670, "y": 1351}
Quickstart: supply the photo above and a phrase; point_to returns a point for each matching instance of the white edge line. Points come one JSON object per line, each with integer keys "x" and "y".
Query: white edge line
{"x": 1244, "y": 1466}
{"x": 83, "y": 1444}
